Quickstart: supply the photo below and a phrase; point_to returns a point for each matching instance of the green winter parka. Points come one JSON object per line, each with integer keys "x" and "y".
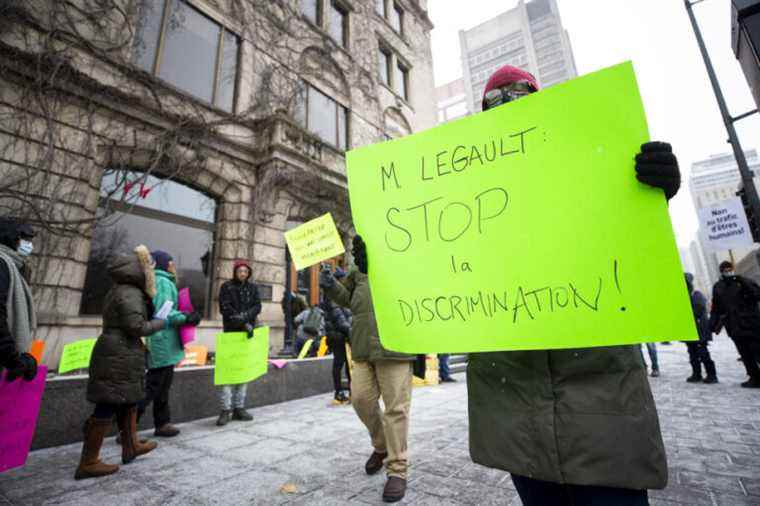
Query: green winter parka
{"x": 577, "y": 416}
{"x": 353, "y": 292}
{"x": 164, "y": 347}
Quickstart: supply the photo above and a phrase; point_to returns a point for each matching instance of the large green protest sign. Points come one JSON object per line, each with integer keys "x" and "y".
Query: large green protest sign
{"x": 522, "y": 227}
{"x": 240, "y": 359}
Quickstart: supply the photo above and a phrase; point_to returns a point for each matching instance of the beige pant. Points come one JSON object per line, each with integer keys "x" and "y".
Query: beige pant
{"x": 391, "y": 379}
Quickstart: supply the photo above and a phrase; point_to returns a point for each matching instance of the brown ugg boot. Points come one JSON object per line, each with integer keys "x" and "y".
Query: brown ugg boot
{"x": 131, "y": 446}
{"x": 90, "y": 465}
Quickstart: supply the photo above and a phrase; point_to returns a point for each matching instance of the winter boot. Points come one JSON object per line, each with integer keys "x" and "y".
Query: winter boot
{"x": 224, "y": 418}
{"x": 340, "y": 397}
{"x": 712, "y": 375}
{"x": 131, "y": 447}
{"x": 90, "y": 465}
{"x": 752, "y": 383}
{"x": 696, "y": 373}
{"x": 166, "y": 430}
{"x": 241, "y": 415}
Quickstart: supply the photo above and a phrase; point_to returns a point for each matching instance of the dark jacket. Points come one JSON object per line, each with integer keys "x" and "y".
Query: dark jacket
{"x": 577, "y": 416}
{"x": 117, "y": 366}
{"x": 701, "y": 318}
{"x": 365, "y": 341}
{"x": 236, "y": 298}
{"x": 8, "y": 351}
{"x": 734, "y": 306}
{"x": 337, "y": 327}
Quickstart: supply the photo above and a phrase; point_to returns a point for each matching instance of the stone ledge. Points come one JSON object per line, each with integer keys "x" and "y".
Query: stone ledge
{"x": 193, "y": 396}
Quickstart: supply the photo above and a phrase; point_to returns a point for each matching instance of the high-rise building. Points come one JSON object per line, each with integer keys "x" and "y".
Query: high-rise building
{"x": 451, "y": 101}
{"x": 530, "y": 36}
{"x": 712, "y": 181}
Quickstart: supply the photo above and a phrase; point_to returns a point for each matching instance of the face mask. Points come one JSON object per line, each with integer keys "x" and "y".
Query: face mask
{"x": 728, "y": 274}
{"x": 25, "y": 248}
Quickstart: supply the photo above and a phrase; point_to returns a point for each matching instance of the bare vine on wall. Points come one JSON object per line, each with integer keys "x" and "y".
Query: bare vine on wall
{"x": 72, "y": 100}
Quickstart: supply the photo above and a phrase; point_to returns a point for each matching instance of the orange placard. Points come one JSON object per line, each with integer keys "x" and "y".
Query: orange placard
{"x": 36, "y": 349}
{"x": 194, "y": 355}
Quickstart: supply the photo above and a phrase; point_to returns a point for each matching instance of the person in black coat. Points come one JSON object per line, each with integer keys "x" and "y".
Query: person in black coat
{"x": 240, "y": 305}
{"x": 337, "y": 330}
{"x": 734, "y": 307}
{"x": 698, "y": 352}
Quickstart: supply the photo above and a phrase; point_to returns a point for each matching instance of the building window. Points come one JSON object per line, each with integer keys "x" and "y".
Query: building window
{"x": 310, "y": 9}
{"x": 384, "y": 67}
{"x": 338, "y": 24}
{"x": 380, "y": 7}
{"x": 136, "y": 208}
{"x": 402, "y": 81}
{"x": 324, "y": 117}
{"x": 397, "y": 18}
{"x": 170, "y": 30}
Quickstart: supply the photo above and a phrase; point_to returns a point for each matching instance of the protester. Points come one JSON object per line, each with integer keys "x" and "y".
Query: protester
{"x": 240, "y": 305}
{"x": 576, "y": 426}
{"x": 18, "y": 319}
{"x": 117, "y": 365}
{"x": 734, "y": 305}
{"x": 297, "y": 304}
{"x": 165, "y": 349}
{"x": 698, "y": 352}
{"x": 652, "y": 351}
{"x": 337, "y": 330}
{"x": 444, "y": 373}
{"x": 310, "y": 324}
{"x": 377, "y": 372}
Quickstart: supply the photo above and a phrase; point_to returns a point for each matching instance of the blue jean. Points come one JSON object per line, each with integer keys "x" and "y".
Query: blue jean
{"x": 443, "y": 367}
{"x": 652, "y": 350}
{"x": 233, "y": 396}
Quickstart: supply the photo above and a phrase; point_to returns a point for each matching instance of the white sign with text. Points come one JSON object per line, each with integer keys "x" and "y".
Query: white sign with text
{"x": 725, "y": 226}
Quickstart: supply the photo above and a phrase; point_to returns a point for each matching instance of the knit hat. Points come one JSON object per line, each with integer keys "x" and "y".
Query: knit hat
{"x": 11, "y": 230}
{"x": 162, "y": 259}
{"x": 507, "y": 75}
{"x": 240, "y": 262}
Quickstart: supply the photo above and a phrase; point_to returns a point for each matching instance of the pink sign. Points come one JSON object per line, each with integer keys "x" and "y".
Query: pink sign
{"x": 186, "y": 332}
{"x": 19, "y": 407}
{"x": 279, "y": 364}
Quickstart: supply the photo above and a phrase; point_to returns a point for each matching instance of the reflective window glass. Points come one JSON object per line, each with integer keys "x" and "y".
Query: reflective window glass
{"x": 337, "y": 24}
{"x": 147, "y": 32}
{"x": 225, "y": 95}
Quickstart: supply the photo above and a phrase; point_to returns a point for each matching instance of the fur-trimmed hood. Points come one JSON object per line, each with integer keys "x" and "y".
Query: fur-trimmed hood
{"x": 136, "y": 270}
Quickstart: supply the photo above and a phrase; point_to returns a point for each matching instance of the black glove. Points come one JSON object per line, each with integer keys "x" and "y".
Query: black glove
{"x": 657, "y": 166}
{"x": 193, "y": 318}
{"x": 25, "y": 366}
{"x": 249, "y": 330}
{"x": 326, "y": 278}
{"x": 360, "y": 254}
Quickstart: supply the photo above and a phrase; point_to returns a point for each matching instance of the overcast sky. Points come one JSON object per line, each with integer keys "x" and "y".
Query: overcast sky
{"x": 657, "y": 36}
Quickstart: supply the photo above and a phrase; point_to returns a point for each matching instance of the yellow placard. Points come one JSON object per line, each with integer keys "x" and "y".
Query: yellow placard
{"x": 322, "y": 347}
{"x": 314, "y": 241}
{"x": 305, "y": 349}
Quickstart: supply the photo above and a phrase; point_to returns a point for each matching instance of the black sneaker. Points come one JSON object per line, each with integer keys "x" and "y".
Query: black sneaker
{"x": 341, "y": 397}
{"x": 694, "y": 379}
{"x": 711, "y": 380}
{"x": 224, "y": 418}
{"x": 752, "y": 383}
{"x": 655, "y": 373}
{"x": 448, "y": 380}
{"x": 241, "y": 415}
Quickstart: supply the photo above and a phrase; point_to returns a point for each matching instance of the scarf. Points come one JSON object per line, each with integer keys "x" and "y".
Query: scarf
{"x": 20, "y": 306}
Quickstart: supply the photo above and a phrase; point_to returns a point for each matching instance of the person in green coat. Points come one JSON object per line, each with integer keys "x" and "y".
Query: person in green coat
{"x": 377, "y": 372}
{"x": 165, "y": 349}
{"x": 575, "y": 426}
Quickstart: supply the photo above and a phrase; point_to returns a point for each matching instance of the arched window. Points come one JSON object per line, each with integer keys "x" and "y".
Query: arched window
{"x": 136, "y": 208}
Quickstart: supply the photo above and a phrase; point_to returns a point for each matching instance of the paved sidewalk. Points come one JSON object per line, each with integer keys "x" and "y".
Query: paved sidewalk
{"x": 712, "y": 434}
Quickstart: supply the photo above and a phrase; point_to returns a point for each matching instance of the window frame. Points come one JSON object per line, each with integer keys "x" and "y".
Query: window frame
{"x": 339, "y": 107}
{"x": 388, "y": 65}
{"x": 405, "y": 70}
{"x": 401, "y": 15}
{"x": 218, "y": 60}
{"x": 320, "y": 13}
{"x": 345, "y": 32}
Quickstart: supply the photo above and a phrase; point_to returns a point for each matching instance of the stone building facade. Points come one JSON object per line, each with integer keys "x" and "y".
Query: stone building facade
{"x": 203, "y": 127}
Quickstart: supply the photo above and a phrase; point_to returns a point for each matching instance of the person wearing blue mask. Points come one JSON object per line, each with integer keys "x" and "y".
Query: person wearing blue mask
{"x": 17, "y": 314}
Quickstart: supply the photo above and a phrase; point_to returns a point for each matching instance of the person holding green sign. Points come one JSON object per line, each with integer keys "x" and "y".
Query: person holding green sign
{"x": 572, "y": 426}
{"x": 377, "y": 372}
{"x": 164, "y": 347}
{"x": 240, "y": 305}
{"x": 117, "y": 366}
